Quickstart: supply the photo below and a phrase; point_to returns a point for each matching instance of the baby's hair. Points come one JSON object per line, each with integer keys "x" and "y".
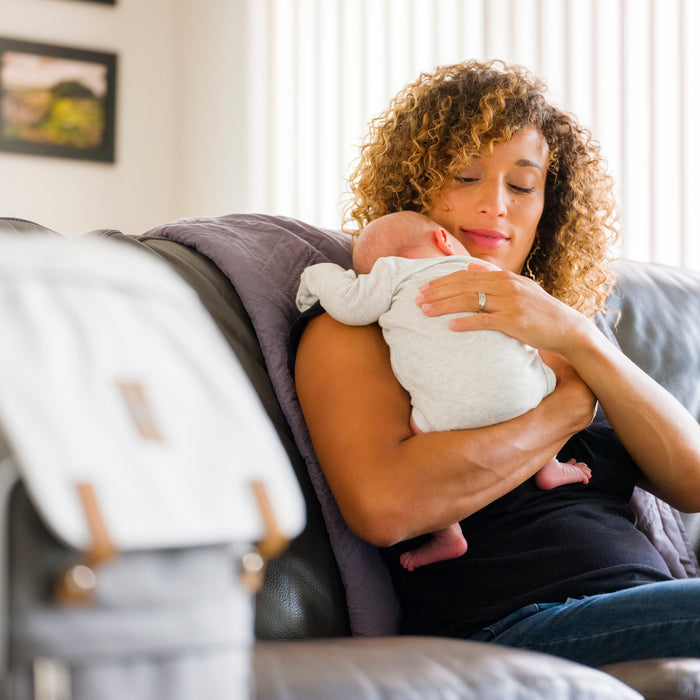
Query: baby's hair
{"x": 384, "y": 235}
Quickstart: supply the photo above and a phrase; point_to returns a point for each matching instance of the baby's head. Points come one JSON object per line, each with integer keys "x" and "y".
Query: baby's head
{"x": 406, "y": 234}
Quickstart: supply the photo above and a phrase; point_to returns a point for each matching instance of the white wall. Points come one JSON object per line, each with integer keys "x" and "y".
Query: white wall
{"x": 178, "y": 121}
{"x": 211, "y": 99}
{"x": 259, "y": 105}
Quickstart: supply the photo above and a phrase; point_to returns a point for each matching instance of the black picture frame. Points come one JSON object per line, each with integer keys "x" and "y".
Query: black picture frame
{"x": 103, "y": 2}
{"x": 57, "y": 100}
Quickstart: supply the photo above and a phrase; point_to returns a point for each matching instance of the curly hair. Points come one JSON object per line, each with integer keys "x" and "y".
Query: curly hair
{"x": 435, "y": 125}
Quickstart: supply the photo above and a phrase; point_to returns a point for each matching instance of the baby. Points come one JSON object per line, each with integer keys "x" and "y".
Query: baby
{"x": 455, "y": 380}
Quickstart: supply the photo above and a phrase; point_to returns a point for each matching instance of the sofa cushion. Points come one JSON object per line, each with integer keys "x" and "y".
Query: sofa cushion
{"x": 660, "y": 679}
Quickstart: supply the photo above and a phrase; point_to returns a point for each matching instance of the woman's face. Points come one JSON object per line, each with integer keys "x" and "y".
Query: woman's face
{"x": 494, "y": 204}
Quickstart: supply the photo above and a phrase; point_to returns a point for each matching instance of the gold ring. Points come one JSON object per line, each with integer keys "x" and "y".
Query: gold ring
{"x": 482, "y": 302}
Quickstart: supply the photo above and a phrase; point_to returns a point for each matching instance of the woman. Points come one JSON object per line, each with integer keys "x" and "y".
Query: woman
{"x": 477, "y": 148}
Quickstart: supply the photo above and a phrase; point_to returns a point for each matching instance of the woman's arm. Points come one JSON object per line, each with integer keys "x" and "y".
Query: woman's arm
{"x": 661, "y": 436}
{"x": 390, "y": 484}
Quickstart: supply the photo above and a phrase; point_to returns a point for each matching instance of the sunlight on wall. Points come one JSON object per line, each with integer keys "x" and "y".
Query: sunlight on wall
{"x": 321, "y": 69}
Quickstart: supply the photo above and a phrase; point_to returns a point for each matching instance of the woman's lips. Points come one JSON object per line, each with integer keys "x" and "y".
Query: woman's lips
{"x": 484, "y": 238}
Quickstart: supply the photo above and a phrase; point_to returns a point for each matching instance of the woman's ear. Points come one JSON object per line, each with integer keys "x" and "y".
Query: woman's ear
{"x": 442, "y": 241}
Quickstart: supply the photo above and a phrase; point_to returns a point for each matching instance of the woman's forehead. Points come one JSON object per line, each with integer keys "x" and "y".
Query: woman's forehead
{"x": 527, "y": 148}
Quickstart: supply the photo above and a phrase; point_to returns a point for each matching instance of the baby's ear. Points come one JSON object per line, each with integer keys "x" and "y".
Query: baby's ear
{"x": 442, "y": 241}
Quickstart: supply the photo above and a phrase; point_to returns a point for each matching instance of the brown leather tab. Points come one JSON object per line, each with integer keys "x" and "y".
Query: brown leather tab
{"x": 76, "y": 585}
{"x": 272, "y": 543}
{"x": 140, "y": 410}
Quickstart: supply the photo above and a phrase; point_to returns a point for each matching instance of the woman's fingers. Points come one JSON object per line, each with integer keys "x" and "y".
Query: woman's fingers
{"x": 444, "y": 286}
{"x": 512, "y": 304}
{"x": 458, "y": 303}
{"x": 466, "y": 291}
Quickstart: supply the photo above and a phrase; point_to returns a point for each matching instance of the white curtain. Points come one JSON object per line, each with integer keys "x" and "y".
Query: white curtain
{"x": 319, "y": 70}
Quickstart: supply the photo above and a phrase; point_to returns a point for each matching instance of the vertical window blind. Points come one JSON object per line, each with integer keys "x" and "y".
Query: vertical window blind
{"x": 319, "y": 70}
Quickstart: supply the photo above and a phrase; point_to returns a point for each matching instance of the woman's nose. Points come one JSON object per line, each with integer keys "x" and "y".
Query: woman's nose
{"x": 493, "y": 199}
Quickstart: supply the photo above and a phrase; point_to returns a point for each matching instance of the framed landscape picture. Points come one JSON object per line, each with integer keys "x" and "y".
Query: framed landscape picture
{"x": 57, "y": 100}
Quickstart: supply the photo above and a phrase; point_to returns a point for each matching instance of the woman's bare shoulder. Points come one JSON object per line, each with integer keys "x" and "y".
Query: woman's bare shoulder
{"x": 345, "y": 369}
{"x": 357, "y": 414}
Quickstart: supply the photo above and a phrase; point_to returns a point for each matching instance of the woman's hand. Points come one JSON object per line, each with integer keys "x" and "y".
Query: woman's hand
{"x": 515, "y": 305}
{"x": 661, "y": 436}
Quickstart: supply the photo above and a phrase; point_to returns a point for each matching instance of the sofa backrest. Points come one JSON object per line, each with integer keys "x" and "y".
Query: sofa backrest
{"x": 303, "y": 596}
{"x": 655, "y": 316}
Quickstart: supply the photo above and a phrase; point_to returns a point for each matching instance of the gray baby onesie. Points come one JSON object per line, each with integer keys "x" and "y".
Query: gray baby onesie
{"x": 456, "y": 379}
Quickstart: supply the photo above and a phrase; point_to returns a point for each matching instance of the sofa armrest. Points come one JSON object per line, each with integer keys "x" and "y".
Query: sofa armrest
{"x": 422, "y": 667}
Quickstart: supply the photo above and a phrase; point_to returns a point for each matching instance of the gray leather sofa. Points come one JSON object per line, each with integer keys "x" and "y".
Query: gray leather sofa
{"x": 305, "y": 649}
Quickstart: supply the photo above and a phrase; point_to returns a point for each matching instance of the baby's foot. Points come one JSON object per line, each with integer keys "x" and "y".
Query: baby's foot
{"x": 556, "y": 473}
{"x": 448, "y": 543}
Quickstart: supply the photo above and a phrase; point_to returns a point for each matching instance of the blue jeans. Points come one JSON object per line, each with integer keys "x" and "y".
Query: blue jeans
{"x": 656, "y": 620}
